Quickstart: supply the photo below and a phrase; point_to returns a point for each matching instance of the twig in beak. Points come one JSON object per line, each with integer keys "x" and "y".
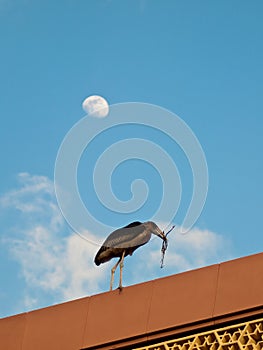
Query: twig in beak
{"x": 165, "y": 245}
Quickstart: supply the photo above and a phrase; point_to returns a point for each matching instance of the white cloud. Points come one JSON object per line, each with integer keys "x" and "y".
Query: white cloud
{"x": 51, "y": 261}
{"x": 197, "y": 248}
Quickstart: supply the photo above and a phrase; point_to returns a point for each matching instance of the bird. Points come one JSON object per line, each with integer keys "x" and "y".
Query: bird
{"x": 124, "y": 241}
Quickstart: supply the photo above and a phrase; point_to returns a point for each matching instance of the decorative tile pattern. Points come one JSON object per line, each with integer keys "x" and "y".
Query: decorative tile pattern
{"x": 243, "y": 336}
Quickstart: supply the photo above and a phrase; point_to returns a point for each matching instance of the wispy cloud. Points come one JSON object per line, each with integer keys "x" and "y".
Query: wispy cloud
{"x": 62, "y": 266}
{"x": 59, "y": 264}
{"x": 51, "y": 259}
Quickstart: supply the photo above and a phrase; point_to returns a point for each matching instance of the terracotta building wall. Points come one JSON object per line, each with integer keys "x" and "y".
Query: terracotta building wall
{"x": 149, "y": 311}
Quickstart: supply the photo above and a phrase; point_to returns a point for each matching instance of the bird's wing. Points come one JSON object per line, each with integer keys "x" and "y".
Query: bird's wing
{"x": 132, "y": 224}
{"x": 127, "y": 237}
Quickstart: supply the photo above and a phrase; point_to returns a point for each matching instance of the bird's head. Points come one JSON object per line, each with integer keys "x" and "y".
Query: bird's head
{"x": 156, "y": 230}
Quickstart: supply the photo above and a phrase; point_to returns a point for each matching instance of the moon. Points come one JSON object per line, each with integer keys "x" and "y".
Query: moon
{"x": 96, "y": 106}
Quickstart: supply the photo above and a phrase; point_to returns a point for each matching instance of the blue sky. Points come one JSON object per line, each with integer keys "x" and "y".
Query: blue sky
{"x": 202, "y": 60}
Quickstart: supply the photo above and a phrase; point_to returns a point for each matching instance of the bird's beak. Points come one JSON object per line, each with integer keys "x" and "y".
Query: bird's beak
{"x": 162, "y": 235}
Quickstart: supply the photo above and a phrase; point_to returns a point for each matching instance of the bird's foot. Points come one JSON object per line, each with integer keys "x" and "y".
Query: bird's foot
{"x": 120, "y": 288}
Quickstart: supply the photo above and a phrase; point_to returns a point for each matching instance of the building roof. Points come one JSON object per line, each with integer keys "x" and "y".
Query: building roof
{"x": 164, "y": 307}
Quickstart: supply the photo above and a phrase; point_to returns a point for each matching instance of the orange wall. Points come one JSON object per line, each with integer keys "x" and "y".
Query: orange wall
{"x": 146, "y": 311}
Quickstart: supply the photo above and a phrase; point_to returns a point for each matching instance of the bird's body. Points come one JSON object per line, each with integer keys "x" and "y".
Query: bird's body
{"x": 128, "y": 238}
{"x": 125, "y": 241}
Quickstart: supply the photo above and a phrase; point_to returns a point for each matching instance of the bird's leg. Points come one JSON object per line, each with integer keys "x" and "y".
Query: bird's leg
{"x": 112, "y": 273}
{"x": 121, "y": 267}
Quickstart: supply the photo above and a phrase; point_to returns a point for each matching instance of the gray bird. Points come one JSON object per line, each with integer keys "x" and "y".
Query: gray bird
{"x": 125, "y": 241}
